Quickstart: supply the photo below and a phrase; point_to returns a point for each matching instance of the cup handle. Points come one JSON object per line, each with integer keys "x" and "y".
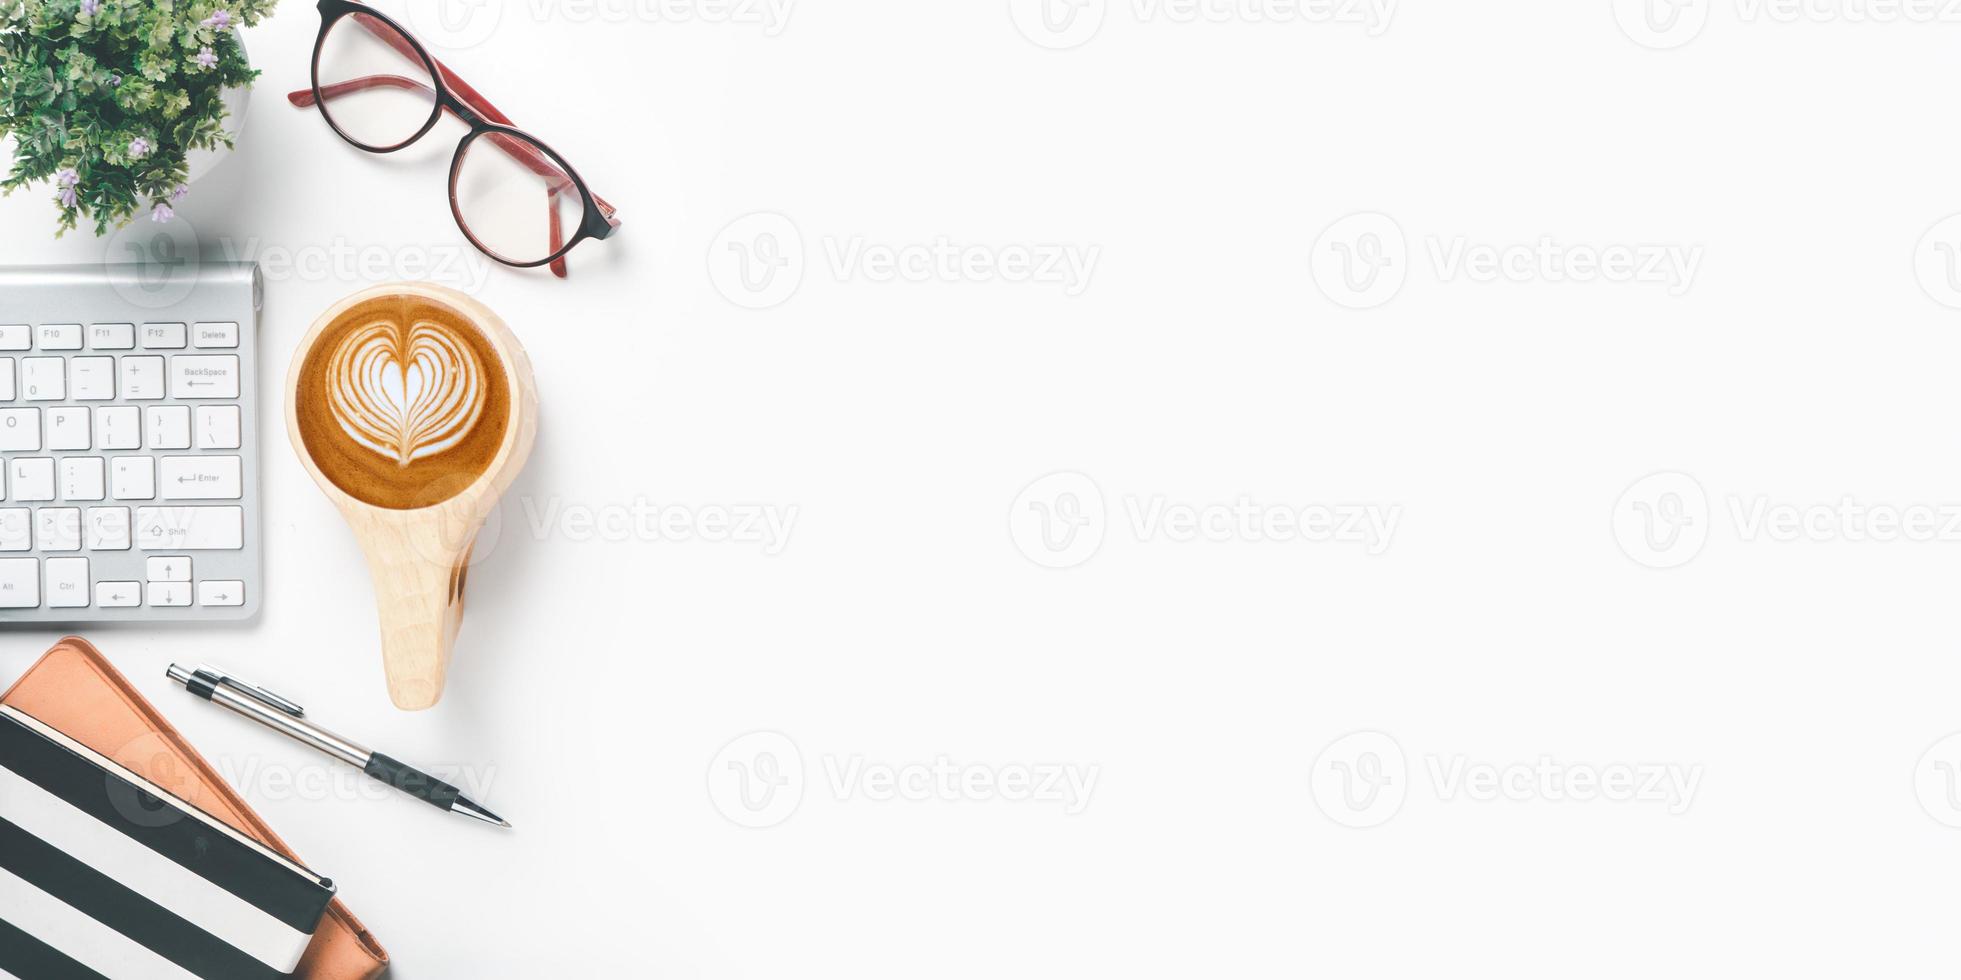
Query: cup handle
{"x": 418, "y": 561}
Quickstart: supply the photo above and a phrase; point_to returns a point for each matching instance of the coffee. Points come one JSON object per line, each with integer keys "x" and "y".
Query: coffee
{"x": 402, "y": 402}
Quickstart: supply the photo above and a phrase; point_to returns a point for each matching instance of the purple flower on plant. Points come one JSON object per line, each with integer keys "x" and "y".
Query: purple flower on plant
{"x": 116, "y": 81}
{"x": 161, "y": 213}
{"x": 206, "y": 59}
{"x": 89, "y": 7}
{"x": 139, "y": 148}
{"x": 222, "y": 20}
{"x": 178, "y": 194}
{"x": 66, "y": 178}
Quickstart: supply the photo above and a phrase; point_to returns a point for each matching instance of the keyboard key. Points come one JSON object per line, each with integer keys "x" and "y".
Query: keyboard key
{"x": 67, "y": 582}
{"x": 201, "y": 477}
{"x": 20, "y": 583}
{"x": 133, "y": 478}
{"x": 216, "y": 335}
{"x": 112, "y": 336}
{"x": 221, "y": 592}
{"x": 170, "y": 593}
{"x": 121, "y": 441}
{"x": 58, "y": 529}
{"x": 190, "y": 528}
{"x": 60, "y": 336}
{"x": 118, "y": 427}
{"x": 31, "y": 479}
{"x": 81, "y": 478}
{"x": 217, "y": 427}
{"x": 163, "y": 336}
{"x": 204, "y": 376}
{"x": 118, "y": 595}
{"x": 142, "y": 377}
{"x": 108, "y": 529}
{"x": 68, "y": 428}
{"x": 20, "y": 430}
{"x": 92, "y": 378}
{"x": 169, "y": 426}
{"x": 44, "y": 378}
{"x": 16, "y": 529}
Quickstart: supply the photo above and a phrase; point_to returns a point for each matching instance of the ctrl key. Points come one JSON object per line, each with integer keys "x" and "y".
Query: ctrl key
{"x": 20, "y": 583}
{"x": 68, "y": 583}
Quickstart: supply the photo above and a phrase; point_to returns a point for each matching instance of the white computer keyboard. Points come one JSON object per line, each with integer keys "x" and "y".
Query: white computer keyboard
{"x": 128, "y": 433}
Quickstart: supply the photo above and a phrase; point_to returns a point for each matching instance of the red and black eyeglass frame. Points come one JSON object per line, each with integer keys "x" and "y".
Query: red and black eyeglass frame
{"x": 456, "y": 97}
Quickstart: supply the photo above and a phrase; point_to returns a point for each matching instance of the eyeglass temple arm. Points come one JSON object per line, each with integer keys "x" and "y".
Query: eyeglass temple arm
{"x": 558, "y": 234}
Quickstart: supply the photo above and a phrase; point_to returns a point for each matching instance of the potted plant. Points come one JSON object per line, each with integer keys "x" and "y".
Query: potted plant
{"x": 106, "y": 99}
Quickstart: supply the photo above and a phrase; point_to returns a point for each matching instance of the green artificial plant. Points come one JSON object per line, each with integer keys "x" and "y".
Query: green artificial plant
{"x": 104, "y": 98}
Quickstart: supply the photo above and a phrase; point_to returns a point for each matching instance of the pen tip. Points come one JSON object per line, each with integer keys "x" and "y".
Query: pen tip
{"x": 469, "y": 809}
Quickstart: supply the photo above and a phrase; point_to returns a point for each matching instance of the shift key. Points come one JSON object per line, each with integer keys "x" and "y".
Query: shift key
{"x": 190, "y": 528}
{"x": 204, "y": 376}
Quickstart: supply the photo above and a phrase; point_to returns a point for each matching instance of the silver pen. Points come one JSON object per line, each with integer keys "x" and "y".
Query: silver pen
{"x": 289, "y": 719}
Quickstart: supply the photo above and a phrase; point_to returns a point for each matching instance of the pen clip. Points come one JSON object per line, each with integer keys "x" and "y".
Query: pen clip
{"x": 251, "y": 690}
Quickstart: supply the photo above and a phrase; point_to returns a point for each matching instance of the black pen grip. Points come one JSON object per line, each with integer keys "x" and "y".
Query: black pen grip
{"x": 412, "y": 781}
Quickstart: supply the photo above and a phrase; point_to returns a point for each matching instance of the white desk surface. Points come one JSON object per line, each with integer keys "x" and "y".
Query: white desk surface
{"x": 1793, "y": 681}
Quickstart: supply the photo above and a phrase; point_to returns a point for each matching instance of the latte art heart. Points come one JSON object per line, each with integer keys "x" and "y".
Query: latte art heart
{"x": 406, "y": 395}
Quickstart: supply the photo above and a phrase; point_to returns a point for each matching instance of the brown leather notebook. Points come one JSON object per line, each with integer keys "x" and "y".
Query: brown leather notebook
{"x": 74, "y": 689}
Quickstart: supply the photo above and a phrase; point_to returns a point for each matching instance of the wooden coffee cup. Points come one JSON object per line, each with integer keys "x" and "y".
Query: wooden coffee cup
{"x": 414, "y": 408}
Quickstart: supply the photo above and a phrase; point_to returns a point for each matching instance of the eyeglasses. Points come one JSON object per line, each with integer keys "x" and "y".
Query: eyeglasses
{"x": 513, "y": 196}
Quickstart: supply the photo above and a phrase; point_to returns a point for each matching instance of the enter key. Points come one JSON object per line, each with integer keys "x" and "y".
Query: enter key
{"x": 200, "y": 478}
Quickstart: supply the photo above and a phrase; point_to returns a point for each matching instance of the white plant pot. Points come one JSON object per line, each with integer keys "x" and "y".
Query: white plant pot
{"x": 201, "y": 162}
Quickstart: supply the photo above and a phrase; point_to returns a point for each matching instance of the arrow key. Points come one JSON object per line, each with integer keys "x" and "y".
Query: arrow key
{"x": 118, "y": 595}
{"x": 170, "y": 593}
{"x": 220, "y": 592}
{"x": 168, "y": 568}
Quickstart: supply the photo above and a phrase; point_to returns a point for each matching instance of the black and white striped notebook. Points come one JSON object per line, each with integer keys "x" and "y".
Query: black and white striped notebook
{"x": 105, "y": 875}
